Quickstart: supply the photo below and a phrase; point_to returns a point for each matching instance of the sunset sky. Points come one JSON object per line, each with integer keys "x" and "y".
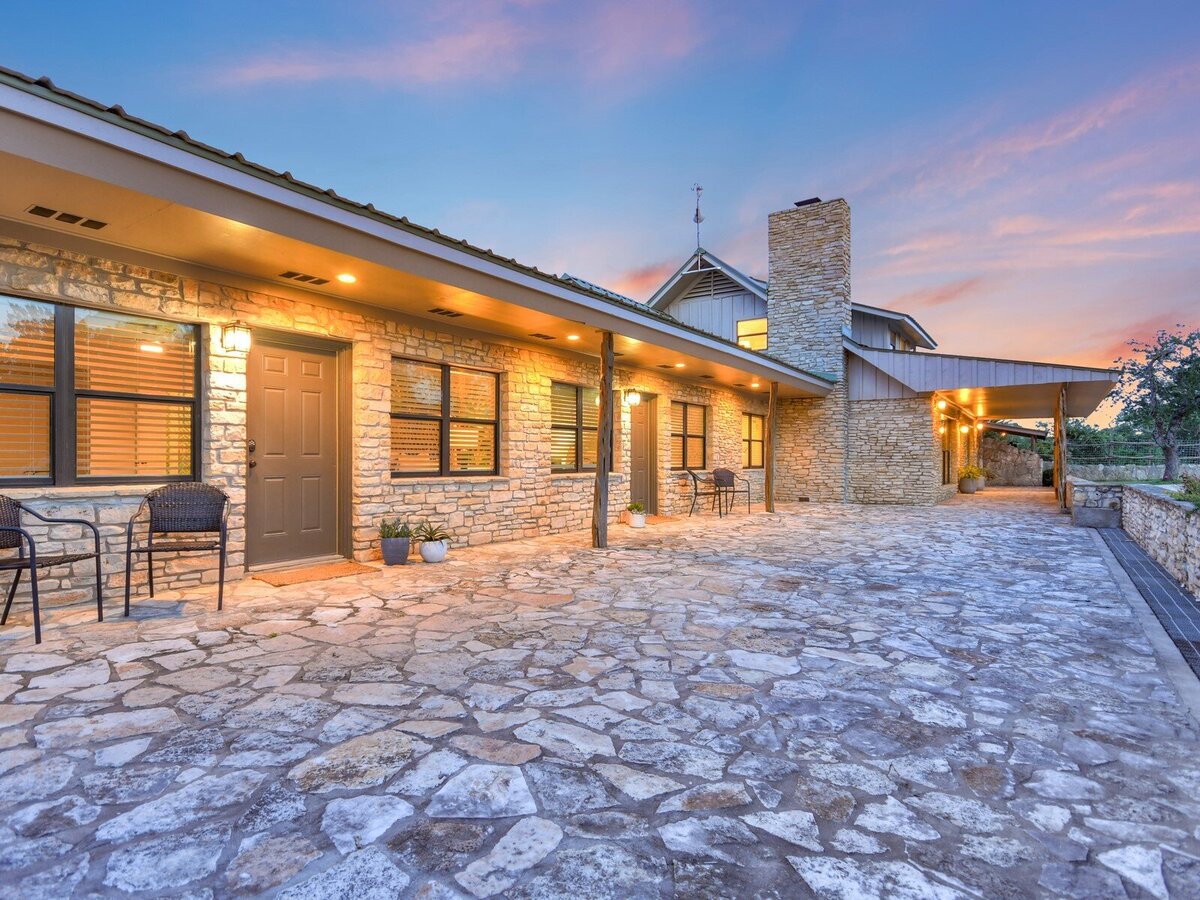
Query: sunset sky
{"x": 1024, "y": 177}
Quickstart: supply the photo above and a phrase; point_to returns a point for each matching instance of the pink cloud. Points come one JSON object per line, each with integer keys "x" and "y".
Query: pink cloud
{"x": 1011, "y": 226}
{"x": 495, "y": 42}
{"x": 481, "y": 50}
{"x": 939, "y": 295}
{"x": 641, "y": 282}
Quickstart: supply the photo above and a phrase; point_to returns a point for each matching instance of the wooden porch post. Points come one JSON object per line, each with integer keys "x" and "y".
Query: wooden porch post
{"x": 604, "y": 452}
{"x": 769, "y": 448}
{"x": 1060, "y": 447}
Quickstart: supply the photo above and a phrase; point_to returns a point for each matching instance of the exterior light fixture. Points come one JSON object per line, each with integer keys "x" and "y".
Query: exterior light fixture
{"x": 941, "y": 429}
{"x": 680, "y": 365}
{"x": 572, "y": 337}
{"x": 941, "y": 404}
{"x": 754, "y": 384}
{"x": 347, "y": 278}
{"x": 979, "y": 426}
{"x": 965, "y": 429}
{"x": 235, "y": 337}
{"x": 632, "y": 398}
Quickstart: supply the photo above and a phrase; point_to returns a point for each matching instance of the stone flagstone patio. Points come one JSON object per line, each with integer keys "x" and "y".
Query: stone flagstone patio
{"x": 837, "y": 701}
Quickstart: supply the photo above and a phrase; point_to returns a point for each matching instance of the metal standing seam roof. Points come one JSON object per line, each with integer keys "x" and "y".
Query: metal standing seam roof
{"x": 116, "y": 114}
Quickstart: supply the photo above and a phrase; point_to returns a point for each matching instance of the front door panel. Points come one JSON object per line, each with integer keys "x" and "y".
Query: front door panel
{"x": 291, "y": 427}
{"x": 642, "y": 485}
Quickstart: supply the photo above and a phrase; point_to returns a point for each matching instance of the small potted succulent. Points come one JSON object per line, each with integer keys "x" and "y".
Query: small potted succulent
{"x": 395, "y": 539}
{"x": 434, "y": 541}
{"x": 637, "y": 514}
{"x": 969, "y": 478}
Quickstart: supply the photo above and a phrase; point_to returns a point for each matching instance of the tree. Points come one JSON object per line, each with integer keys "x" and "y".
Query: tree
{"x": 1159, "y": 391}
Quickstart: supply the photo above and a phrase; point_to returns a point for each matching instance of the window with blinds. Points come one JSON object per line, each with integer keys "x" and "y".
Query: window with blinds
{"x": 26, "y": 389}
{"x": 574, "y": 422}
{"x": 445, "y": 420}
{"x": 752, "y": 440}
{"x": 688, "y": 435}
{"x": 95, "y": 396}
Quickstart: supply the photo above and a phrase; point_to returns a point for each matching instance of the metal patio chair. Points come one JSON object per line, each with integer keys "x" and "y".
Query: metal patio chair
{"x": 186, "y": 508}
{"x": 729, "y": 485}
{"x": 704, "y": 487}
{"x": 15, "y": 537}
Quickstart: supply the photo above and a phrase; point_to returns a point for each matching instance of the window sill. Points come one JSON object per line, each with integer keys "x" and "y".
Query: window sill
{"x": 449, "y": 479}
{"x": 80, "y": 491}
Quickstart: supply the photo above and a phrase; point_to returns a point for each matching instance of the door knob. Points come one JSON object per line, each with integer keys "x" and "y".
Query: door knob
{"x": 252, "y": 463}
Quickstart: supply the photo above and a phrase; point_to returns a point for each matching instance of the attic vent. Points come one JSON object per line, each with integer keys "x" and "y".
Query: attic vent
{"x": 665, "y": 366}
{"x": 542, "y": 337}
{"x": 45, "y": 212}
{"x": 300, "y": 276}
{"x": 706, "y": 376}
{"x": 442, "y": 311}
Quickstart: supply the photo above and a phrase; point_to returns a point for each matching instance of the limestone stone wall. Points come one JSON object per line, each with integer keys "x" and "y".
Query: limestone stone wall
{"x": 1166, "y": 528}
{"x": 524, "y": 499}
{"x": 895, "y": 452}
{"x": 1106, "y": 472}
{"x": 808, "y": 309}
{"x": 1094, "y": 505}
{"x": 1010, "y": 464}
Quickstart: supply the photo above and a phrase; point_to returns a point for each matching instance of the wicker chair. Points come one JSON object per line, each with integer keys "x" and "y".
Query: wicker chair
{"x": 14, "y": 537}
{"x": 729, "y": 485}
{"x": 187, "y": 508}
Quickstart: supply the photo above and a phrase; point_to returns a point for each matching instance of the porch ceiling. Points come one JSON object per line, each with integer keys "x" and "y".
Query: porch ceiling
{"x": 189, "y": 211}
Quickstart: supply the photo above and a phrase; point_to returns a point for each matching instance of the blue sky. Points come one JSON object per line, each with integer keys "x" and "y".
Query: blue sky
{"x": 1023, "y": 176}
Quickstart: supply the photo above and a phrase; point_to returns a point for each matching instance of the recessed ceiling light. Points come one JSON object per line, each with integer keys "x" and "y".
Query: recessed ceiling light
{"x": 347, "y": 278}
{"x": 572, "y": 337}
{"x": 680, "y": 365}
{"x": 754, "y": 384}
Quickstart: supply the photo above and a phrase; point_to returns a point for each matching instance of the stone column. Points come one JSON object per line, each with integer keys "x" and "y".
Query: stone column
{"x": 808, "y": 309}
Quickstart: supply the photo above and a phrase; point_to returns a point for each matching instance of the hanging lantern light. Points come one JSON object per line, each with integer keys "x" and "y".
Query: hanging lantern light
{"x": 235, "y": 337}
{"x": 632, "y": 398}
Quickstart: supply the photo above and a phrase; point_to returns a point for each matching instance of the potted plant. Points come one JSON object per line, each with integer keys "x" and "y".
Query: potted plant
{"x": 395, "y": 539}
{"x": 637, "y": 514}
{"x": 984, "y": 474}
{"x": 968, "y": 479}
{"x": 434, "y": 541}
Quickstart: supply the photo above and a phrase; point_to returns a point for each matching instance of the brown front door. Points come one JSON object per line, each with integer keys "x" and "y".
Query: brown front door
{"x": 291, "y": 449}
{"x": 643, "y": 485}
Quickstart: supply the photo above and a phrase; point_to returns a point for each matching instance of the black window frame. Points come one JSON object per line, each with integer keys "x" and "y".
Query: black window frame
{"x": 64, "y": 402}
{"x": 445, "y": 420}
{"x": 749, "y": 442}
{"x": 687, "y": 433}
{"x": 581, "y": 431}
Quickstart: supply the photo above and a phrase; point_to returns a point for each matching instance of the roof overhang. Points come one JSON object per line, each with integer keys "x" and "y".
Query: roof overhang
{"x": 1017, "y": 430}
{"x": 695, "y": 266}
{"x": 994, "y": 388}
{"x": 911, "y": 328}
{"x": 174, "y": 200}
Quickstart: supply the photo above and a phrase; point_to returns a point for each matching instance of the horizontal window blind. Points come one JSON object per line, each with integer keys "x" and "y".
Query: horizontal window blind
{"x": 24, "y": 435}
{"x": 131, "y": 355}
{"x": 26, "y": 342}
{"x": 445, "y": 419}
{"x": 122, "y": 438}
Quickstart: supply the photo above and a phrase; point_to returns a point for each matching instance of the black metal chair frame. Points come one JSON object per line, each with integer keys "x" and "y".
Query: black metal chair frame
{"x": 699, "y": 482}
{"x": 187, "y": 507}
{"x": 14, "y": 537}
{"x": 727, "y": 482}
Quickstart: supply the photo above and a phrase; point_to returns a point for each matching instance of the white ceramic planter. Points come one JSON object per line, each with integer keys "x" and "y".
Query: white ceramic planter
{"x": 434, "y": 551}
{"x": 637, "y": 520}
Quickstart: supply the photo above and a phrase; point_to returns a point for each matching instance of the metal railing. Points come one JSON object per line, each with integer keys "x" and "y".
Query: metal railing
{"x": 1118, "y": 453}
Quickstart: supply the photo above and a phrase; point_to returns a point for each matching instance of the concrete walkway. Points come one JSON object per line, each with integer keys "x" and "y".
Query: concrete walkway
{"x": 847, "y": 701}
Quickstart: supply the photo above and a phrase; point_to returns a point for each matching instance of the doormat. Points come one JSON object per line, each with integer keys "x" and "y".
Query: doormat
{"x": 314, "y": 573}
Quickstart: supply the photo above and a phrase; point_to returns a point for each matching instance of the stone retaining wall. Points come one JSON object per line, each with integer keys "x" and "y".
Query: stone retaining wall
{"x": 1011, "y": 465}
{"x": 1094, "y": 505}
{"x": 1100, "y": 472}
{"x": 1167, "y": 529}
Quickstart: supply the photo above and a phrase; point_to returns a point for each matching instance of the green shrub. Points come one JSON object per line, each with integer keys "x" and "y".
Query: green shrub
{"x": 394, "y": 529}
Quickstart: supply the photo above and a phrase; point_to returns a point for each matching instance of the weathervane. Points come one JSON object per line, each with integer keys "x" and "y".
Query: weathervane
{"x": 698, "y": 218}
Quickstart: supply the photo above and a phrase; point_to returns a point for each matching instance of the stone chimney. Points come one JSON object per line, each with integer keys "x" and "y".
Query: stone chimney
{"x": 808, "y": 284}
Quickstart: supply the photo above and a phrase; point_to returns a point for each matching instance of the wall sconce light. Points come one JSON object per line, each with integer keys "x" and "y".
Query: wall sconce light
{"x": 965, "y": 429}
{"x": 235, "y": 337}
{"x": 979, "y": 426}
{"x": 632, "y": 398}
{"x": 941, "y": 404}
{"x": 942, "y": 429}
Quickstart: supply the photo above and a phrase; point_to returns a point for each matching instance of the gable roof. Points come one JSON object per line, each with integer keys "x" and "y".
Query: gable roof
{"x": 911, "y": 326}
{"x": 695, "y": 267}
